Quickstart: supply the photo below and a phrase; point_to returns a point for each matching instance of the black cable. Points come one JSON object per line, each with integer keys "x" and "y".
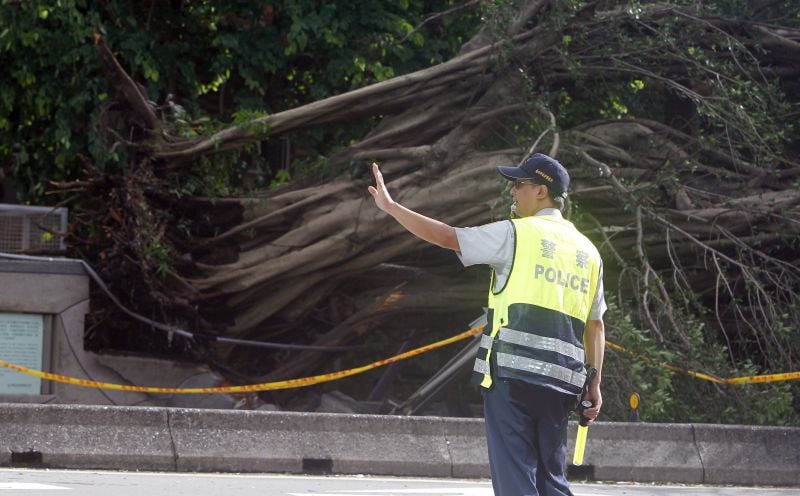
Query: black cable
{"x": 198, "y": 336}
{"x": 78, "y": 360}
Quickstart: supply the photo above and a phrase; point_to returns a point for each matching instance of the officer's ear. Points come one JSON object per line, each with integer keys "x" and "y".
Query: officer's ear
{"x": 542, "y": 192}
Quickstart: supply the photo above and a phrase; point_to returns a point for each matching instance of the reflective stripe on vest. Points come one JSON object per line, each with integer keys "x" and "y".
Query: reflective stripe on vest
{"x": 538, "y": 317}
{"x": 541, "y": 343}
{"x": 535, "y": 366}
{"x": 534, "y": 341}
{"x": 481, "y": 366}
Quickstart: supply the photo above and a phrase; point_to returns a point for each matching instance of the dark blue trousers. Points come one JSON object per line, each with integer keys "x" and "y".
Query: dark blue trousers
{"x": 526, "y": 431}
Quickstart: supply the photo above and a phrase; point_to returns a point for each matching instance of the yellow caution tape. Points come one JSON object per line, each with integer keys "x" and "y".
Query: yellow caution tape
{"x": 785, "y": 376}
{"x": 756, "y": 379}
{"x": 267, "y": 386}
{"x": 332, "y": 376}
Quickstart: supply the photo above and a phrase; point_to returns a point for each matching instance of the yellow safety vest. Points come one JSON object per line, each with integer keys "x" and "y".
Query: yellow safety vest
{"x": 536, "y": 321}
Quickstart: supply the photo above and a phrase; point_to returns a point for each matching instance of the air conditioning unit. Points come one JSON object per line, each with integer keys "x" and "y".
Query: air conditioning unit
{"x": 24, "y": 228}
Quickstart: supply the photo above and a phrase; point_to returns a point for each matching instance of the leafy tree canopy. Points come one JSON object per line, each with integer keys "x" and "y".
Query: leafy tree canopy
{"x": 224, "y": 59}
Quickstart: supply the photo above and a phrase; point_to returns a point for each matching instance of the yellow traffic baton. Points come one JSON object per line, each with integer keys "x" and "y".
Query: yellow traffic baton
{"x": 583, "y": 423}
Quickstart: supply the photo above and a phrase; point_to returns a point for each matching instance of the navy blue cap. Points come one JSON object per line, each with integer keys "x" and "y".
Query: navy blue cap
{"x": 540, "y": 169}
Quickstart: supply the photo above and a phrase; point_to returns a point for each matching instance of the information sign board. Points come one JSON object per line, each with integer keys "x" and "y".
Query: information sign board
{"x": 21, "y": 343}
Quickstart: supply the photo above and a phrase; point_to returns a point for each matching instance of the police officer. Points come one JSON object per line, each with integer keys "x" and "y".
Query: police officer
{"x": 544, "y": 323}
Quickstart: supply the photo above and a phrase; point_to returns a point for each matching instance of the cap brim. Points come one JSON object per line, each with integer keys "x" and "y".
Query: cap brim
{"x": 512, "y": 172}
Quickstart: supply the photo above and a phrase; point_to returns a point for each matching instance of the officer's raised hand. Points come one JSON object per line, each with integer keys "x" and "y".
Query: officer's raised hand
{"x": 430, "y": 230}
{"x": 379, "y": 192}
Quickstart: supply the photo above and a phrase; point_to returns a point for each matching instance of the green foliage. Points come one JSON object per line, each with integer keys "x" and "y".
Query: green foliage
{"x": 217, "y": 59}
{"x": 639, "y": 371}
{"x": 48, "y": 82}
{"x": 675, "y": 396}
{"x": 669, "y": 395}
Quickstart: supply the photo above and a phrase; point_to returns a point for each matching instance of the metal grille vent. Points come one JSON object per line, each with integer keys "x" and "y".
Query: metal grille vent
{"x": 24, "y": 228}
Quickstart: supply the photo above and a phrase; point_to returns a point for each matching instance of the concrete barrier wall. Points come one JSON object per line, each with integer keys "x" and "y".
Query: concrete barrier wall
{"x": 186, "y": 440}
{"x": 85, "y": 437}
{"x": 763, "y": 455}
{"x": 642, "y": 452}
{"x": 252, "y": 441}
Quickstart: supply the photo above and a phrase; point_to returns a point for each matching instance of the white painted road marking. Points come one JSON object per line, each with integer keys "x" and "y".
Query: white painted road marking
{"x": 29, "y": 485}
{"x": 440, "y": 491}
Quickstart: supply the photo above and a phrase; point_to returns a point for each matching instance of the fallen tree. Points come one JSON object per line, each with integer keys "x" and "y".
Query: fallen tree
{"x": 675, "y": 120}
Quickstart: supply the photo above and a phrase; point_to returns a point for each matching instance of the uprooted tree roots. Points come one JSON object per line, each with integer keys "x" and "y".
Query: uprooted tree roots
{"x": 695, "y": 207}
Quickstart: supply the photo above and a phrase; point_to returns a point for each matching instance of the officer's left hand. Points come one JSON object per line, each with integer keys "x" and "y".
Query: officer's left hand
{"x": 593, "y": 394}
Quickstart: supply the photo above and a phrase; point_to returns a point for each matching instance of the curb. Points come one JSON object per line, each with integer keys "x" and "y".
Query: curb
{"x": 194, "y": 440}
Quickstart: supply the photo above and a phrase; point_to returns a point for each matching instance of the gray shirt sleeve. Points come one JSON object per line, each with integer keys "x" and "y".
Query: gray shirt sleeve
{"x": 599, "y": 306}
{"x": 490, "y": 244}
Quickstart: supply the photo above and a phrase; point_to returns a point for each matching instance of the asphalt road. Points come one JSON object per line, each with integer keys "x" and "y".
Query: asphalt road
{"x": 88, "y": 483}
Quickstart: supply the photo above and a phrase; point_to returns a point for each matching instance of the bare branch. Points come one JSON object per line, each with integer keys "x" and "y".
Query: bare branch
{"x": 129, "y": 89}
